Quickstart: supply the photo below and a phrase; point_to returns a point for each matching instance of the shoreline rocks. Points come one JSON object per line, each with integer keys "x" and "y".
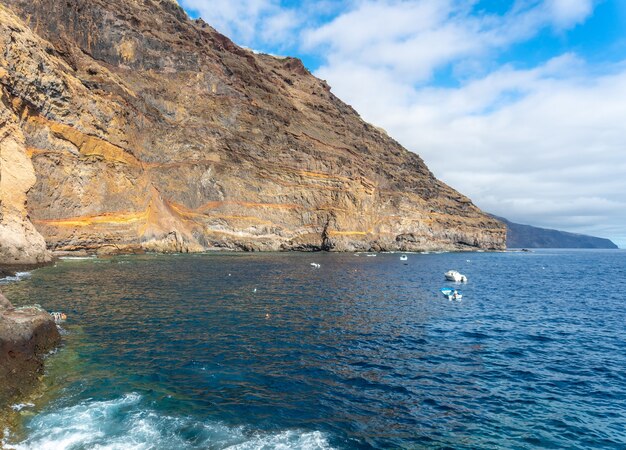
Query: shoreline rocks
{"x": 26, "y": 335}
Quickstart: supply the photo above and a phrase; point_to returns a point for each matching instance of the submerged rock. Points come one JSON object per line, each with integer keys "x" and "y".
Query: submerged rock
{"x": 150, "y": 131}
{"x": 26, "y": 334}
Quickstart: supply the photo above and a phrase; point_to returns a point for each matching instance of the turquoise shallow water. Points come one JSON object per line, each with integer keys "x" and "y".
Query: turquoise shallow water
{"x": 181, "y": 352}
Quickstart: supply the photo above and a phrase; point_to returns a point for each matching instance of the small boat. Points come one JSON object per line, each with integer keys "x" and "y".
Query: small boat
{"x": 451, "y": 294}
{"x": 453, "y": 275}
{"x": 404, "y": 258}
{"x": 316, "y": 265}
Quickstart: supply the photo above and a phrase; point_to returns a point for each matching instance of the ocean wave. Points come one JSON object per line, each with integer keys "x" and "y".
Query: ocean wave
{"x": 77, "y": 258}
{"x": 125, "y": 423}
{"x": 17, "y": 277}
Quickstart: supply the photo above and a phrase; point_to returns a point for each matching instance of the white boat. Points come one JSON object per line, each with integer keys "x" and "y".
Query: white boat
{"x": 453, "y": 275}
{"x": 404, "y": 258}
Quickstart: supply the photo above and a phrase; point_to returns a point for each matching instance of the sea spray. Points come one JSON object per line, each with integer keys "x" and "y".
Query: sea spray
{"x": 19, "y": 276}
{"x": 126, "y": 422}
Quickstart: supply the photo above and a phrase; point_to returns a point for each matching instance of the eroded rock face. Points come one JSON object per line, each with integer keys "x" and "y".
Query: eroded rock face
{"x": 149, "y": 131}
{"x": 20, "y": 243}
{"x": 26, "y": 334}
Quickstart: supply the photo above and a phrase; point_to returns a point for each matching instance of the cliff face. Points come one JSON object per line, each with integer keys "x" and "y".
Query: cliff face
{"x": 20, "y": 243}
{"x": 150, "y": 131}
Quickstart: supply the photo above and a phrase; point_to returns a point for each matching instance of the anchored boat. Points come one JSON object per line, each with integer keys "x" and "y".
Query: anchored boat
{"x": 453, "y": 275}
{"x": 451, "y": 294}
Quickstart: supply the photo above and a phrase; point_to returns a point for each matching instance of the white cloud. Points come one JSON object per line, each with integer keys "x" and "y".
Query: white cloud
{"x": 413, "y": 39}
{"x": 567, "y": 13}
{"x": 262, "y": 23}
{"x": 240, "y": 20}
{"x": 280, "y": 26}
{"x": 544, "y": 146}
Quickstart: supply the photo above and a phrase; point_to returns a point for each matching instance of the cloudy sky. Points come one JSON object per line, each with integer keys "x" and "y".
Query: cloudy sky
{"x": 519, "y": 104}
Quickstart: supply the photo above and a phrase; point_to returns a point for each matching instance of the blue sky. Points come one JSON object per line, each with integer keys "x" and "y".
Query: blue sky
{"x": 518, "y": 104}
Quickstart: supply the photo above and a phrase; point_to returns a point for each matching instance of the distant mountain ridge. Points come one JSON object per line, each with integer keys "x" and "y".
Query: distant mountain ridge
{"x": 527, "y": 236}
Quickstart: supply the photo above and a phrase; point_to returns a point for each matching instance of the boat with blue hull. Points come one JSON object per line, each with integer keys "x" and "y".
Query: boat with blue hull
{"x": 451, "y": 294}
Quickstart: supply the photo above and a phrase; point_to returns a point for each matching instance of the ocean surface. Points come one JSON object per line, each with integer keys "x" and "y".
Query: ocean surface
{"x": 247, "y": 351}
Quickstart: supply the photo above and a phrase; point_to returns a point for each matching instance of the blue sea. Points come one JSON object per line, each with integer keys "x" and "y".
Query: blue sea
{"x": 265, "y": 351}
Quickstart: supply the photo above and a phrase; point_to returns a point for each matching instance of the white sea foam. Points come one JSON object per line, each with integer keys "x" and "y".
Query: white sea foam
{"x": 125, "y": 423}
{"x": 21, "y": 406}
{"x": 77, "y": 258}
{"x": 18, "y": 277}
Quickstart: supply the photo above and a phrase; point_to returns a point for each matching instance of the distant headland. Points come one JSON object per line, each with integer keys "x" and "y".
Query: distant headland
{"x": 527, "y": 236}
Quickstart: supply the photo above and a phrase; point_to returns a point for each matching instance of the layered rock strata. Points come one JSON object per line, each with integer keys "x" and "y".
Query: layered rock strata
{"x": 151, "y": 131}
{"x": 26, "y": 334}
{"x": 20, "y": 243}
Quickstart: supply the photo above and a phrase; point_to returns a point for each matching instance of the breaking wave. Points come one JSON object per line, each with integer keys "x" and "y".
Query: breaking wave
{"x": 124, "y": 423}
{"x": 17, "y": 277}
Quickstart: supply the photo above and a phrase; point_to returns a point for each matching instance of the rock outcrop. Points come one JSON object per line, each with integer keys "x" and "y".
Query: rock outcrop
{"x": 151, "y": 131}
{"x": 20, "y": 243}
{"x": 26, "y": 334}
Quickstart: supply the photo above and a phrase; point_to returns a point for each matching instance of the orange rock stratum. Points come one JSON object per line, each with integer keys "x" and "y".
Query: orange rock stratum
{"x": 126, "y": 126}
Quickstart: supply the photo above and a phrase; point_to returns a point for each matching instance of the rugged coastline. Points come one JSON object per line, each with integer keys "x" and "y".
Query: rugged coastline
{"x": 126, "y": 127}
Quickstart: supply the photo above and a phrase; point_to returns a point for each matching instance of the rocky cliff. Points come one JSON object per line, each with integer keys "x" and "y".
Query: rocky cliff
{"x": 150, "y": 131}
{"x": 20, "y": 243}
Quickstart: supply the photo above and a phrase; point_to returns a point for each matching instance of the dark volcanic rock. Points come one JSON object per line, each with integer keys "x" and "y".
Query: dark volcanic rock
{"x": 26, "y": 334}
{"x": 527, "y": 236}
{"x": 150, "y": 131}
